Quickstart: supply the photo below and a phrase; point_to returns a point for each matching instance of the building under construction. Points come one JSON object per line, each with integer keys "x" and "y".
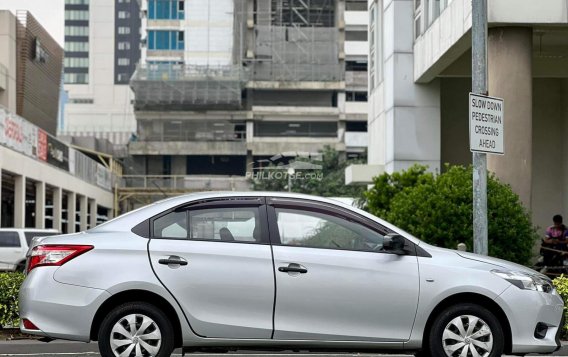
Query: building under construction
{"x": 226, "y": 84}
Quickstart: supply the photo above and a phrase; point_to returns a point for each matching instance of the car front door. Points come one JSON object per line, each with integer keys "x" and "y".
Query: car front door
{"x": 216, "y": 260}
{"x": 333, "y": 281}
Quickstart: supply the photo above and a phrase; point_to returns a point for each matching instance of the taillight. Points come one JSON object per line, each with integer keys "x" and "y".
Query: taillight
{"x": 55, "y": 255}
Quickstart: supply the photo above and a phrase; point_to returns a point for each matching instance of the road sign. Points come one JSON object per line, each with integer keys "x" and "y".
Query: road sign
{"x": 486, "y": 124}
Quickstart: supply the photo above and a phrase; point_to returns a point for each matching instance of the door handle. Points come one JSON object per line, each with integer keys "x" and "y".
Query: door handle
{"x": 172, "y": 260}
{"x": 293, "y": 268}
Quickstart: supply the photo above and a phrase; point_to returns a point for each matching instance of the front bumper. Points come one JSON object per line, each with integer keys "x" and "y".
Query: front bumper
{"x": 525, "y": 309}
{"x": 60, "y": 311}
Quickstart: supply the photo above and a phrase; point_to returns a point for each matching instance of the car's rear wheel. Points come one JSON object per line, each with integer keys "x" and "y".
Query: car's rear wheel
{"x": 136, "y": 329}
{"x": 466, "y": 330}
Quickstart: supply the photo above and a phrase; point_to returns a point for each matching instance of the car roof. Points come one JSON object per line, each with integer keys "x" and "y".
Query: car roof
{"x": 128, "y": 220}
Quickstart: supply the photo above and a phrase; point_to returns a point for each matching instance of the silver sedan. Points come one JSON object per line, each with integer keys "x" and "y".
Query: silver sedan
{"x": 229, "y": 271}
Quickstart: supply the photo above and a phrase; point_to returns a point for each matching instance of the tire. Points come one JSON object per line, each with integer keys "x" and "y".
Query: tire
{"x": 21, "y": 267}
{"x": 488, "y": 337}
{"x": 121, "y": 327}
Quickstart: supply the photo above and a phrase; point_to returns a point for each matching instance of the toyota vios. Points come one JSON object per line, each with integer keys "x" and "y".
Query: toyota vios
{"x": 278, "y": 271}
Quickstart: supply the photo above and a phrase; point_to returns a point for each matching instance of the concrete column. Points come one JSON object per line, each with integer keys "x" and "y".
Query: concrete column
{"x": 83, "y": 212}
{"x": 19, "y": 201}
{"x": 93, "y": 210}
{"x": 250, "y": 131}
{"x": 40, "y": 205}
{"x": 510, "y": 77}
{"x": 110, "y": 213}
{"x": 57, "y": 207}
{"x": 71, "y": 212}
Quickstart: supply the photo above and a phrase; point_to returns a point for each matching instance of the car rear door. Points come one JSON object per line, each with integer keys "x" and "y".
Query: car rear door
{"x": 333, "y": 282}
{"x": 216, "y": 260}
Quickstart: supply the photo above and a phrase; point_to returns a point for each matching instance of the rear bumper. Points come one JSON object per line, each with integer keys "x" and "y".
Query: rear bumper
{"x": 60, "y": 311}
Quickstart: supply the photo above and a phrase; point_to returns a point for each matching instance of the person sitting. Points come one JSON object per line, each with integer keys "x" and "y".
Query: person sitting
{"x": 555, "y": 238}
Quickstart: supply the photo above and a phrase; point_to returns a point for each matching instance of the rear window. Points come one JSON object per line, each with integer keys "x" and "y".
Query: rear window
{"x": 9, "y": 239}
{"x": 32, "y": 235}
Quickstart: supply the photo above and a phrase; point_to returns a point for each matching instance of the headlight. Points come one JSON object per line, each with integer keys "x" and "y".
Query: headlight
{"x": 525, "y": 281}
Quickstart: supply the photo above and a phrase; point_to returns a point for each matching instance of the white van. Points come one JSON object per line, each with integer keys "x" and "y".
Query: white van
{"x": 14, "y": 244}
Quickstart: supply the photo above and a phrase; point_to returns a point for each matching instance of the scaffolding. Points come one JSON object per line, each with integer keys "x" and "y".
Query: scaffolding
{"x": 169, "y": 86}
{"x": 296, "y": 40}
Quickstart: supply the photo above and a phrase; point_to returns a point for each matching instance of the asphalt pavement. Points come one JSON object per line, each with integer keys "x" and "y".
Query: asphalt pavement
{"x": 30, "y": 348}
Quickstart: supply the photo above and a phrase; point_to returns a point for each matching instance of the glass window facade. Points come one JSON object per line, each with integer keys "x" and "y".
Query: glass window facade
{"x": 76, "y": 46}
{"x": 166, "y": 10}
{"x": 76, "y": 62}
{"x": 76, "y": 15}
{"x": 76, "y": 2}
{"x": 76, "y": 31}
{"x": 166, "y": 40}
{"x": 76, "y": 78}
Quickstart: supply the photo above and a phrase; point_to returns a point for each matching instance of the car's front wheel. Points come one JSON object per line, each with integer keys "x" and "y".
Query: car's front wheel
{"x": 466, "y": 330}
{"x": 136, "y": 329}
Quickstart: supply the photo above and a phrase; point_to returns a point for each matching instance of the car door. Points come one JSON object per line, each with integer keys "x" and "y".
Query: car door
{"x": 333, "y": 281}
{"x": 11, "y": 250}
{"x": 216, "y": 260}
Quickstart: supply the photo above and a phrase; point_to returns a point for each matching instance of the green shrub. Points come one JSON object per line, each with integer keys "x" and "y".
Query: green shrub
{"x": 9, "y": 289}
{"x": 438, "y": 209}
{"x": 561, "y": 285}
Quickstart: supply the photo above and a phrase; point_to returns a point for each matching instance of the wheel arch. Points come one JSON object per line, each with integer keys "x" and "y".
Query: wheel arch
{"x": 142, "y": 296}
{"x": 472, "y": 298}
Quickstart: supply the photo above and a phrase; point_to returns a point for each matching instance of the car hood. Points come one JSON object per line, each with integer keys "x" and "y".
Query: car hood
{"x": 497, "y": 262}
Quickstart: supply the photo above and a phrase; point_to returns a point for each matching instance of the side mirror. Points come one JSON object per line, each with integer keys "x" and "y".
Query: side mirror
{"x": 394, "y": 243}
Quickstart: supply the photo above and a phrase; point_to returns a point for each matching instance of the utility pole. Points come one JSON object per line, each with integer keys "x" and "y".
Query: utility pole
{"x": 479, "y": 86}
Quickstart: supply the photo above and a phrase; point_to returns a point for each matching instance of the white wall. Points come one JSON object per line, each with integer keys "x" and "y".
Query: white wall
{"x": 209, "y": 32}
{"x": 8, "y": 58}
{"x": 404, "y": 117}
{"x": 111, "y": 116}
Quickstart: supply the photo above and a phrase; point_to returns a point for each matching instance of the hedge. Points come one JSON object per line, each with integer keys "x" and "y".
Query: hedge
{"x": 561, "y": 285}
{"x": 9, "y": 289}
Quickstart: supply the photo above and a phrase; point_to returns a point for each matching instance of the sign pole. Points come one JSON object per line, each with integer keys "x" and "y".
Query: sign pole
{"x": 479, "y": 86}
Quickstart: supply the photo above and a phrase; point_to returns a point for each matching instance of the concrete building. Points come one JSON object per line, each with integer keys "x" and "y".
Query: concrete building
{"x": 102, "y": 48}
{"x": 420, "y": 77}
{"x": 227, "y": 84}
{"x": 44, "y": 183}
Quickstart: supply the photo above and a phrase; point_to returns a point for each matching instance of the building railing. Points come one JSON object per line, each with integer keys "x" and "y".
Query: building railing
{"x": 165, "y": 183}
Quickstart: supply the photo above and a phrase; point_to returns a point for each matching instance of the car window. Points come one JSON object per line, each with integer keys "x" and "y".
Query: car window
{"x": 225, "y": 224}
{"x": 171, "y": 225}
{"x": 9, "y": 239}
{"x": 320, "y": 230}
{"x": 239, "y": 224}
{"x": 31, "y": 235}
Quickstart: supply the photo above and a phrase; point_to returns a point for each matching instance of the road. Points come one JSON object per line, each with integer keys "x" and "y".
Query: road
{"x": 29, "y": 348}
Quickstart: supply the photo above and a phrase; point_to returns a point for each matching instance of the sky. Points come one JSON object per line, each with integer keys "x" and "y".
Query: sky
{"x": 49, "y": 13}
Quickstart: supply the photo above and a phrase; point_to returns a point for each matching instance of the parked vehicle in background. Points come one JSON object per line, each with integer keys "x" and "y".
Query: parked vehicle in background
{"x": 14, "y": 243}
{"x": 277, "y": 271}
